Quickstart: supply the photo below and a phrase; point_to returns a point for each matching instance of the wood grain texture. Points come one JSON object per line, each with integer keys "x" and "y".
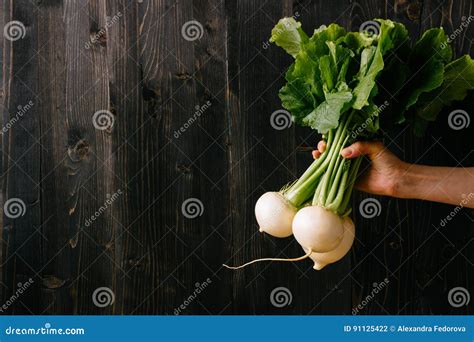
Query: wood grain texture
{"x": 192, "y": 122}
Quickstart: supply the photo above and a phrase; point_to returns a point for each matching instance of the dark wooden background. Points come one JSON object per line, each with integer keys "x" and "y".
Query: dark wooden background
{"x": 151, "y": 79}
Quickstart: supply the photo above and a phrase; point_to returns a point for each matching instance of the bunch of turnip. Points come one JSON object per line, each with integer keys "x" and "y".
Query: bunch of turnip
{"x": 343, "y": 85}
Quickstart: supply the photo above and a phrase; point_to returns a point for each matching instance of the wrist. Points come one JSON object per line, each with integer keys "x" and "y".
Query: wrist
{"x": 411, "y": 181}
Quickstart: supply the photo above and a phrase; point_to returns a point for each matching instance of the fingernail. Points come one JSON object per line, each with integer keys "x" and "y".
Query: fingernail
{"x": 346, "y": 152}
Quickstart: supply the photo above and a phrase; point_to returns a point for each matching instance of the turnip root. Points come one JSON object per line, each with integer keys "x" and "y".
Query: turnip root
{"x": 268, "y": 259}
{"x": 318, "y": 229}
{"x": 274, "y": 214}
{"x": 323, "y": 259}
{"x": 275, "y": 211}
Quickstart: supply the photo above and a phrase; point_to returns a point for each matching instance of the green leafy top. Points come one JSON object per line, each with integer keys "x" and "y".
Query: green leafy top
{"x": 335, "y": 72}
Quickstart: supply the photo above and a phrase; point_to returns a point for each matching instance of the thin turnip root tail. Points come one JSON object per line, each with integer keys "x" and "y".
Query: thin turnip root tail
{"x": 269, "y": 259}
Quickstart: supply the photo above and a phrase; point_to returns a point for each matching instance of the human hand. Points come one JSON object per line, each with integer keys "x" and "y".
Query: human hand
{"x": 384, "y": 173}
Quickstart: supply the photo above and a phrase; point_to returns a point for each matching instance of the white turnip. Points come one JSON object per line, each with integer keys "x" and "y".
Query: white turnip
{"x": 323, "y": 259}
{"x": 274, "y": 214}
{"x": 318, "y": 229}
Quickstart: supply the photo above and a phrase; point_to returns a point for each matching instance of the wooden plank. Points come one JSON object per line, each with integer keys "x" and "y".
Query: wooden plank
{"x": 144, "y": 75}
{"x": 57, "y": 274}
{"x": 131, "y": 267}
{"x": 88, "y": 165}
{"x": 209, "y": 236}
{"x": 152, "y": 162}
{"x": 21, "y": 161}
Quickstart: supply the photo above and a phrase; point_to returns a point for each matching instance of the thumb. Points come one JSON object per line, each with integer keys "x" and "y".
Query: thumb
{"x": 362, "y": 148}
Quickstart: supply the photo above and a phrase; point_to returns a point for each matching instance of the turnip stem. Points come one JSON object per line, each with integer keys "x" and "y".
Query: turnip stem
{"x": 350, "y": 185}
{"x": 301, "y": 191}
{"x": 335, "y": 181}
{"x": 269, "y": 259}
{"x": 334, "y": 205}
{"x": 342, "y": 138}
{"x": 314, "y": 165}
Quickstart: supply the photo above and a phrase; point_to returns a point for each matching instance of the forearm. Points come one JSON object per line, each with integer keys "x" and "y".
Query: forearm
{"x": 451, "y": 185}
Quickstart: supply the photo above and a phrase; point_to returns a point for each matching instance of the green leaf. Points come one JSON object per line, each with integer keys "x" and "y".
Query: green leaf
{"x": 305, "y": 68}
{"x": 365, "y": 123}
{"x": 297, "y": 98}
{"x": 458, "y": 80}
{"x": 356, "y": 41}
{"x": 317, "y": 47}
{"x": 427, "y": 62}
{"x": 326, "y": 115}
{"x": 328, "y": 72}
{"x": 391, "y": 36}
{"x": 371, "y": 64}
{"x": 288, "y": 35}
